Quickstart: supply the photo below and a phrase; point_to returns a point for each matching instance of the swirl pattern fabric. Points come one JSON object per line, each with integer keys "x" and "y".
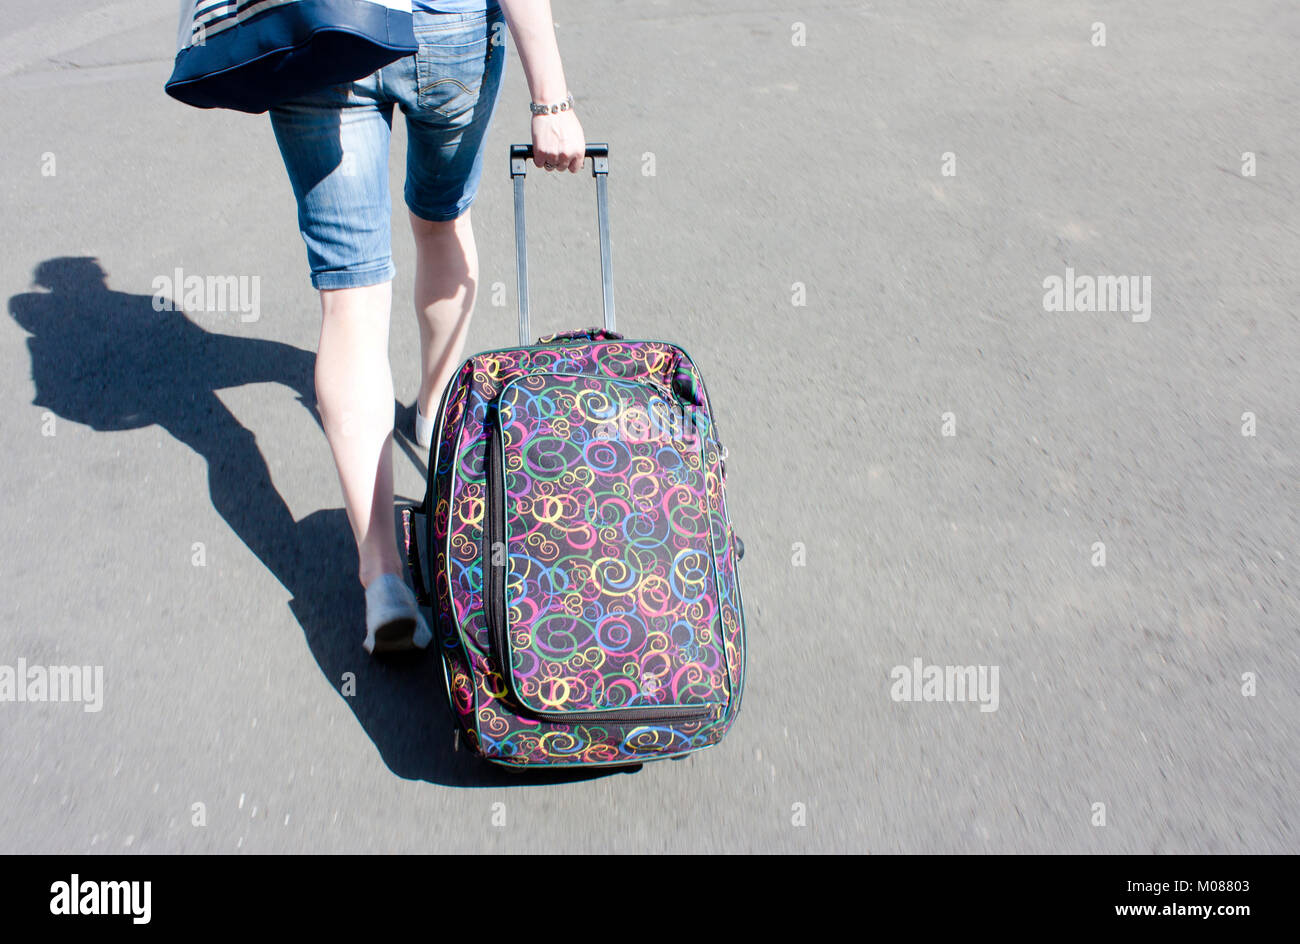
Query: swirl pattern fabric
{"x": 608, "y": 592}
{"x": 620, "y": 616}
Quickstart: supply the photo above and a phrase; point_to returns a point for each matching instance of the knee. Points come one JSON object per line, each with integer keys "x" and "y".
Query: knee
{"x": 423, "y": 228}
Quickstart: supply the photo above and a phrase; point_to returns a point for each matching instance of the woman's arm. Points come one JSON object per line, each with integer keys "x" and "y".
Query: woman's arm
{"x": 557, "y": 138}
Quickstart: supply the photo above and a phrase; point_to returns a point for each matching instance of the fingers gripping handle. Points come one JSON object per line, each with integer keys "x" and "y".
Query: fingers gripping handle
{"x": 520, "y": 155}
{"x": 525, "y": 153}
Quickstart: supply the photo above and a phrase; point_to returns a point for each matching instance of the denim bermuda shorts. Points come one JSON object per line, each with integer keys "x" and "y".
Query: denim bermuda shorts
{"x": 335, "y": 145}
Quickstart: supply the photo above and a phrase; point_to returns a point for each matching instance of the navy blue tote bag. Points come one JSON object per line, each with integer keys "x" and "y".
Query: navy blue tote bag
{"x": 248, "y": 55}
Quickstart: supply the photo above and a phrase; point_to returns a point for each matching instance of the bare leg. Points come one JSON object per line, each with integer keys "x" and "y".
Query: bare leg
{"x": 354, "y": 392}
{"x": 446, "y": 284}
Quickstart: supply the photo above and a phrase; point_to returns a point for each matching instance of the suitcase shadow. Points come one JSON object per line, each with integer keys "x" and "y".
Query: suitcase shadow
{"x": 399, "y": 700}
{"x": 111, "y": 361}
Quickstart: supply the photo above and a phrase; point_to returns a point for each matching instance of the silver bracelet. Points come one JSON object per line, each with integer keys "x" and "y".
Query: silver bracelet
{"x": 565, "y": 105}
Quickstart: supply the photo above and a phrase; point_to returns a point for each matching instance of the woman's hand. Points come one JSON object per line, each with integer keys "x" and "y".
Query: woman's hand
{"x": 558, "y": 142}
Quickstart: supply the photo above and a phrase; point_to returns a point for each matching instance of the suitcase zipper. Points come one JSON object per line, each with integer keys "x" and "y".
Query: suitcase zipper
{"x": 494, "y": 606}
{"x": 494, "y": 595}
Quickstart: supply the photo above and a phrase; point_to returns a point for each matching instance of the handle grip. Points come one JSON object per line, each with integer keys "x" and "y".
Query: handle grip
{"x": 582, "y": 334}
{"x": 524, "y": 152}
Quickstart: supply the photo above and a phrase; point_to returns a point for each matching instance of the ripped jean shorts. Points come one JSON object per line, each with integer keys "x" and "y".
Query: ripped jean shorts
{"x": 335, "y": 144}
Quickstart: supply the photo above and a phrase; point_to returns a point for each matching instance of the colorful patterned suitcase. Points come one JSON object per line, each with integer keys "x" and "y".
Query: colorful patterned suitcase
{"x": 574, "y": 543}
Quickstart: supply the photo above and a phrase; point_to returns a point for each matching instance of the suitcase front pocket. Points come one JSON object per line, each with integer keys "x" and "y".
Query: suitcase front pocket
{"x": 600, "y": 584}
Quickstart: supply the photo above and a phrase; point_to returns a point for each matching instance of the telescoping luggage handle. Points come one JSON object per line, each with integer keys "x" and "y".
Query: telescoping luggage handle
{"x": 520, "y": 155}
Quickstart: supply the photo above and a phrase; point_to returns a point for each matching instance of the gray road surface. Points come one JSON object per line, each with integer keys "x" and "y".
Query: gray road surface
{"x": 171, "y": 512}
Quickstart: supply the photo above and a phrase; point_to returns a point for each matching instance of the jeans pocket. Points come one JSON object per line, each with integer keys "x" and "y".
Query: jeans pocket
{"x": 451, "y": 66}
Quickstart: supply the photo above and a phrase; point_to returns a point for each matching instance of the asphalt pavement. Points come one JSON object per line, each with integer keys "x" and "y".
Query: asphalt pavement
{"x": 855, "y": 217}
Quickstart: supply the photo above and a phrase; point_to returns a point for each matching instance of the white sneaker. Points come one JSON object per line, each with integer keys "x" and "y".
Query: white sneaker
{"x": 423, "y": 429}
{"x": 393, "y": 619}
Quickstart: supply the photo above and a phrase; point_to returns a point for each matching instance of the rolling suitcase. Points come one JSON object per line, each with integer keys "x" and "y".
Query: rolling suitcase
{"x": 574, "y": 543}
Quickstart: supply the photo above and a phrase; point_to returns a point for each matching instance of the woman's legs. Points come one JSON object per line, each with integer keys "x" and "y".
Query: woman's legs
{"x": 335, "y": 147}
{"x": 446, "y": 283}
{"x": 458, "y": 68}
{"x": 354, "y": 391}
{"x": 354, "y": 380}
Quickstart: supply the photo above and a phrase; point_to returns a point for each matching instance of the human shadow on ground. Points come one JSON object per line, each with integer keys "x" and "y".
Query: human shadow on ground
{"x": 111, "y": 361}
